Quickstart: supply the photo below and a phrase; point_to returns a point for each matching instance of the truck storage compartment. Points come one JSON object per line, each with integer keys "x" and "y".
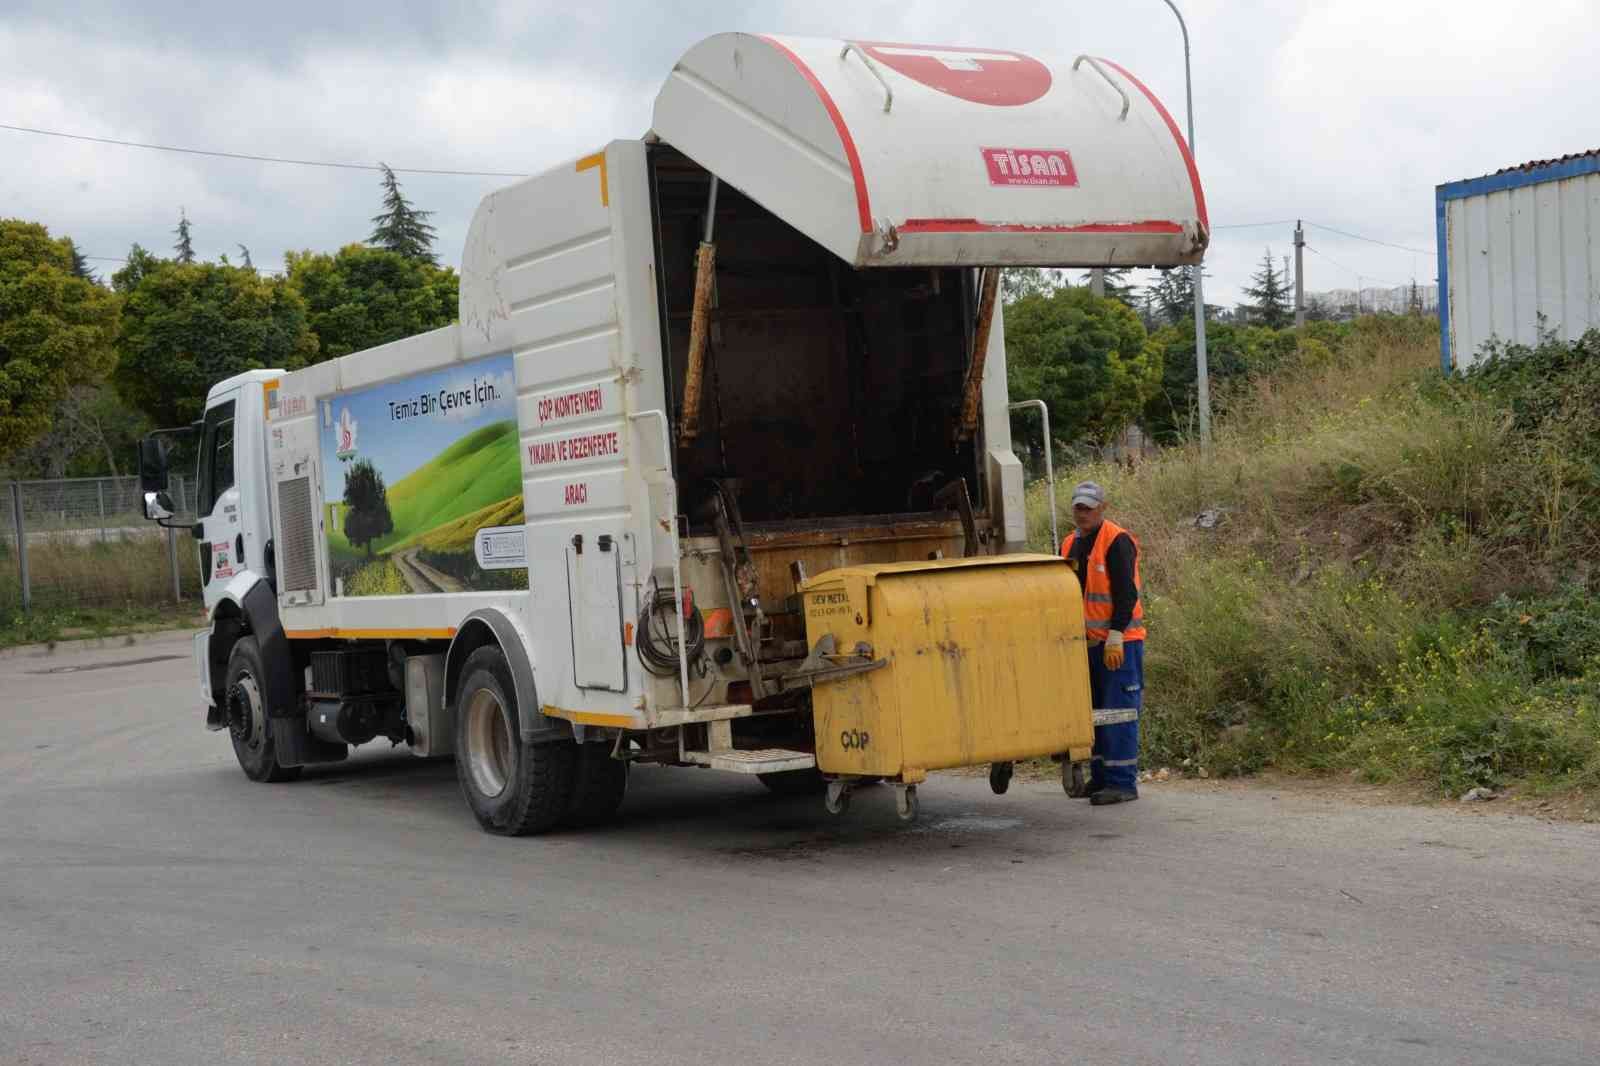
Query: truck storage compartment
{"x": 984, "y": 661}
{"x": 826, "y": 391}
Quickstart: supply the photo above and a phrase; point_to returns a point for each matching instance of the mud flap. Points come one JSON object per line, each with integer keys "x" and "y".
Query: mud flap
{"x": 294, "y": 742}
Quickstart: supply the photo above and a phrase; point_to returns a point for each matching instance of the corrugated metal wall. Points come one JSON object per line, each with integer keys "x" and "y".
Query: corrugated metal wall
{"x": 1520, "y": 255}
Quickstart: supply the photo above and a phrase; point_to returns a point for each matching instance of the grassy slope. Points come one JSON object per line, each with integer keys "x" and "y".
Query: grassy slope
{"x": 474, "y": 473}
{"x": 1398, "y": 586}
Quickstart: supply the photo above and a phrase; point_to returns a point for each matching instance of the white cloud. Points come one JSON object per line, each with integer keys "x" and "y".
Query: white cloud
{"x": 1343, "y": 112}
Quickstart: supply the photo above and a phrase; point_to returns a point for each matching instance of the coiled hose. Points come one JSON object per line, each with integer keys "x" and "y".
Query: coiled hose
{"x": 657, "y": 640}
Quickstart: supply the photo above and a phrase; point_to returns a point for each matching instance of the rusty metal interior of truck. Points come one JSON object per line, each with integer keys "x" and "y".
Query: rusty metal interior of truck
{"x": 827, "y": 391}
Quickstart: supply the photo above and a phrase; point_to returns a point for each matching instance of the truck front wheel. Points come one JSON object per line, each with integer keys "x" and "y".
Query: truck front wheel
{"x": 513, "y": 787}
{"x": 245, "y": 711}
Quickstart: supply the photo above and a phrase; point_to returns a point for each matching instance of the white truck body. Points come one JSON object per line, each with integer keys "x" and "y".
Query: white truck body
{"x": 909, "y": 165}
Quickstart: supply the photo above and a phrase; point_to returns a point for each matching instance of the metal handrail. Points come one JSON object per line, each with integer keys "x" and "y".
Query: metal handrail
{"x": 677, "y": 565}
{"x": 1049, "y": 465}
{"x": 1095, "y": 63}
{"x": 888, "y": 93}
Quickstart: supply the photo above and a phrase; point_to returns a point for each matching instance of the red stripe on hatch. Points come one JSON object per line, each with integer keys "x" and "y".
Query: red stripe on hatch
{"x": 1177, "y": 135}
{"x": 862, "y": 207}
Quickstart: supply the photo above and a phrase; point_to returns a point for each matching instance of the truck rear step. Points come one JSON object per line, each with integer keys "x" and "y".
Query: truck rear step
{"x": 762, "y": 761}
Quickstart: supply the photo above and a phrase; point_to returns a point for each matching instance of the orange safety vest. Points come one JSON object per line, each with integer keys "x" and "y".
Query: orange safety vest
{"x": 1097, "y": 585}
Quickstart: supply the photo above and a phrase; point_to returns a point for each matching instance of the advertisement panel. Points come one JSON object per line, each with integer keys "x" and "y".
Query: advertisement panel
{"x": 420, "y": 475}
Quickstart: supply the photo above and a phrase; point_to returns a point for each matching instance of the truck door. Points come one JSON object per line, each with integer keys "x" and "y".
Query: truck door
{"x": 221, "y": 526}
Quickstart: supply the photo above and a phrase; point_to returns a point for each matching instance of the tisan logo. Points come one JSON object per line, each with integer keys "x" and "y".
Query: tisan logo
{"x": 347, "y": 434}
{"x": 1030, "y": 166}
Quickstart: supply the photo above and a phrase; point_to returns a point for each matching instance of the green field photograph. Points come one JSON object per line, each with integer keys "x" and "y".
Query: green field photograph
{"x": 413, "y": 469}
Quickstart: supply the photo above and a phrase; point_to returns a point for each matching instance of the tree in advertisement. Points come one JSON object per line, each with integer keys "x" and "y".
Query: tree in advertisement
{"x": 186, "y": 327}
{"x": 366, "y": 500}
{"x": 55, "y": 331}
{"x": 363, "y": 297}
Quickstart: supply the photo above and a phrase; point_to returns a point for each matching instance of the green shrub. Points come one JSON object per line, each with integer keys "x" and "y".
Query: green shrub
{"x": 1398, "y": 580}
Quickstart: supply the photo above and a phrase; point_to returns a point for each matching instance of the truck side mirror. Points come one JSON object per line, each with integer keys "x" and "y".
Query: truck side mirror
{"x": 157, "y": 506}
{"x": 153, "y": 468}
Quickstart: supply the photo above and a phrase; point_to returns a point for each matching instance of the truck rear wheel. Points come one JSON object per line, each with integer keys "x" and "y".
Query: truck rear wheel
{"x": 245, "y": 710}
{"x": 513, "y": 787}
{"x": 599, "y": 784}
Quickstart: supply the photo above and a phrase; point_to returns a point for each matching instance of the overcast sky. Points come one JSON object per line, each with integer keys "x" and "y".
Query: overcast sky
{"x": 1343, "y": 112}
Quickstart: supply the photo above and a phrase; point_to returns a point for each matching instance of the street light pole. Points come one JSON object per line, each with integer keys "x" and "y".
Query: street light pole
{"x": 1202, "y": 375}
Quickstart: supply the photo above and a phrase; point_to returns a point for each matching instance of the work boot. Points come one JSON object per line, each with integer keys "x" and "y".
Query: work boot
{"x": 1107, "y": 796}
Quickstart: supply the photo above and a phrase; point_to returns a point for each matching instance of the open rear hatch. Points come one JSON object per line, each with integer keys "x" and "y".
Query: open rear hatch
{"x": 914, "y": 155}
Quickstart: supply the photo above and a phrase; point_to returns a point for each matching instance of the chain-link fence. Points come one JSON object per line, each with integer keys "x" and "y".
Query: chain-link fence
{"x": 85, "y": 542}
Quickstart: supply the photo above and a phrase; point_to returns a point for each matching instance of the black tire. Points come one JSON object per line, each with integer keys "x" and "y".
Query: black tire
{"x": 244, "y": 710}
{"x": 599, "y": 783}
{"x": 796, "y": 782}
{"x": 513, "y": 788}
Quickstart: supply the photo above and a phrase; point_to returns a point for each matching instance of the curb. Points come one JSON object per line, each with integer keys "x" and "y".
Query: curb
{"x": 124, "y": 640}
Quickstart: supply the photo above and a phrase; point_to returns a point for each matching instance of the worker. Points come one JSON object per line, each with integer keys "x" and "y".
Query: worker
{"x": 1105, "y": 558}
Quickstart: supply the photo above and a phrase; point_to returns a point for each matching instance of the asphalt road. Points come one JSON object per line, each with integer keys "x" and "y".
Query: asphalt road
{"x": 156, "y": 907}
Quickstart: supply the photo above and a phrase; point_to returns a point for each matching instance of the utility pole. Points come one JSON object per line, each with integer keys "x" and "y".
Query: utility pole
{"x": 1097, "y": 281}
{"x": 1299, "y": 275}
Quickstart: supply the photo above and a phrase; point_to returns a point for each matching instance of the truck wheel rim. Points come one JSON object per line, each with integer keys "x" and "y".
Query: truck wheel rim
{"x": 489, "y": 755}
{"x": 244, "y": 712}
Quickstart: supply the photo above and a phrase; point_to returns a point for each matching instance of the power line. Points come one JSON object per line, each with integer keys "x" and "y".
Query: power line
{"x": 1255, "y": 225}
{"x": 1370, "y": 240}
{"x": 1330, "y": 229}
{"x": 260, "y": 158}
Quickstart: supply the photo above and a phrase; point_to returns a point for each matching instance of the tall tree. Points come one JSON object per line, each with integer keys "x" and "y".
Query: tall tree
{"x": 1173, "y": 295}
{"x": 1270, "y": 294}
{"x": 134, "y": 268}
{"x": 1086, "y": 356}
{"x": 364, "y": 297}
{"x": 1017, "y": 282}
{"x": 1118, "y": 287}
{"x": 401, "y": 227}
{"x": 183, "y": 246}
{"x": 55, "y": 330}
{"x": 80, "y": 264}
{"x": 244, "y": 254}
{"x": 187, "y": 326}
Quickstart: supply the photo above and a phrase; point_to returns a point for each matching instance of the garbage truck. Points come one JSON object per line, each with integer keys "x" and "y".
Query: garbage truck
{"x": 715, "y": 468}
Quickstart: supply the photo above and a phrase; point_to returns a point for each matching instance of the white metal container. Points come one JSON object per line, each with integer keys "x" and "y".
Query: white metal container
{"x": 1519, "y": 256}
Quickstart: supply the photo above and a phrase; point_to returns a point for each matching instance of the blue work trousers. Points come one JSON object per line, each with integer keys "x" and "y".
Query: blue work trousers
{"x": 1116, "y": 746}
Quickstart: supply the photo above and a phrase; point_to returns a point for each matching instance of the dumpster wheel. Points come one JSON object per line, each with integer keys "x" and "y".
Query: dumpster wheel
{"x": 1075, "y": 779}
{"x": 905, "y": 802}
{"x": 837, "y": 800}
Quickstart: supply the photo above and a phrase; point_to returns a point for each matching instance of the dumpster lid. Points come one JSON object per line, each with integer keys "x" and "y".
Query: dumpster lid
{"x": 895, "y": 154}
{"x": 868, "y": 573}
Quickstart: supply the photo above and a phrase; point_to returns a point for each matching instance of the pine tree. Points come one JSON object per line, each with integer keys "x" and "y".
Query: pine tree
{"x": 401, "y": 227}
{"x": 1173, "y": 295}
{"x": 1414, "y": 299}
{"x": 80, "y": 265}
{"x": 1270, "y": 294}
{"x": 1118, "y": 287}
{"x": 184, "y": 247}
{"x": 245, "y": 254}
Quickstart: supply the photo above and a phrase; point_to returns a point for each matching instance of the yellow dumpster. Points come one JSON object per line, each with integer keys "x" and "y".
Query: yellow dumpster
{"x": 961, "y": 662}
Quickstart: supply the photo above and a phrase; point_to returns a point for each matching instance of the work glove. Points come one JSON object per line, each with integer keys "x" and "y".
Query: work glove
{"x": 1113, "y": 651}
